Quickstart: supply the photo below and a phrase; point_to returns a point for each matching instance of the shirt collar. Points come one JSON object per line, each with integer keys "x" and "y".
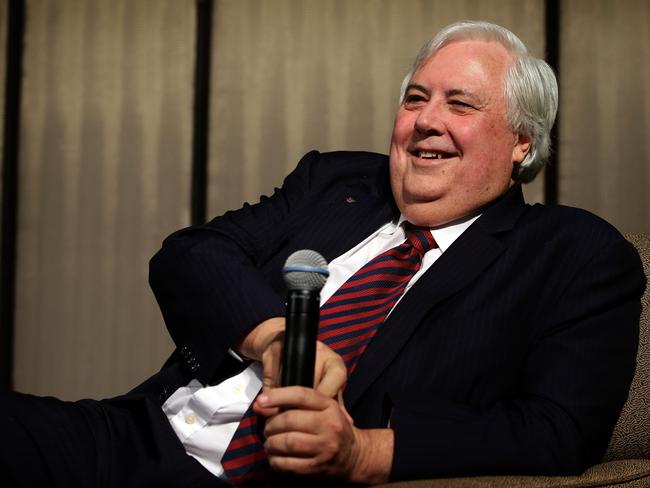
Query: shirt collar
{"x": 444, "y": 235}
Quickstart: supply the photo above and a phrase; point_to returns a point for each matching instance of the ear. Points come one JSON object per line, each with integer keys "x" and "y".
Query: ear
{"x": 521, "y": 148}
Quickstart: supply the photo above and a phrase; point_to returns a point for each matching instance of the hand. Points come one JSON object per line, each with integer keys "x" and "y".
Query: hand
{"x": 314, "y": 435}
{"x": 330, "y": 373}
{"x": 265, "y": 343}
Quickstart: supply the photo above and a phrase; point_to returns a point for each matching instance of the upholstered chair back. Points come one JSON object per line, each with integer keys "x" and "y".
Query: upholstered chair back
{"x": 631, "y": 438}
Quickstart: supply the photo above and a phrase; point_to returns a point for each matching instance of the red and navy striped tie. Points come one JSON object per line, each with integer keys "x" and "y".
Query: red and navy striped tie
{"x": 348, "y": 322}
{"x": 351, "y": 317}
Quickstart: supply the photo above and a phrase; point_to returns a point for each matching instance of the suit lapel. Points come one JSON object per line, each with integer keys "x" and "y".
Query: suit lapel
{"x": 356, "y": 222}
{"x": 352, "y": 212}
{"x": 465, "y": 259}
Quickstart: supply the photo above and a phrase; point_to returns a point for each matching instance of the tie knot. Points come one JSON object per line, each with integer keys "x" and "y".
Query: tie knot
{"x": 420, "y": 238}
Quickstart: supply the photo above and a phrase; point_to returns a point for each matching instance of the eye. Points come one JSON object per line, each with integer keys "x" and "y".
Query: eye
{"x": 460, "y": 104}
{"x": 413, "y": 99}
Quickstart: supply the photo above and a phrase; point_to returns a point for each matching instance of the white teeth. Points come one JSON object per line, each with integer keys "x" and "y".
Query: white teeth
{"x": 429, "y": 155}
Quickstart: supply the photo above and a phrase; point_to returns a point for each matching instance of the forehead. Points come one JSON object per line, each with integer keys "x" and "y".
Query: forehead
{"x": 471, "y": 65}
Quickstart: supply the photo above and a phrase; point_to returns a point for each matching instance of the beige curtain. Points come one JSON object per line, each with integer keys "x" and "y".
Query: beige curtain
{"x": 104, "y": 176}
{"x": 106, "y": 134}
{"x": 105, "y": 153}
{"x": 294, "y": 75}
{"x": 605, "y": 105}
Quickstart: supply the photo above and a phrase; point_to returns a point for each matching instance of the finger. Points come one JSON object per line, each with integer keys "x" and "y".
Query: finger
{"x": 333, "y": 377}
{"x": 293, "y": 444}
{"x": 305, "y": 421}
{"x": 263, "y": 411}
{"x": 271, "y": 364}
{"x": 297, "y": 465}
{"x": 271, "y": 403}
{"x": 294, "y": 397}
{"x": 330, "y": 373}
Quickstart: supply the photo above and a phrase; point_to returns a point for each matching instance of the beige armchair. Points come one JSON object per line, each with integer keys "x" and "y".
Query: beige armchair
{"x": 627, "y": 461}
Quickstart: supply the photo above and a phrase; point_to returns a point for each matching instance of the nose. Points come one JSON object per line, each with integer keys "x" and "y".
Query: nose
{"x": 428, "y": 121}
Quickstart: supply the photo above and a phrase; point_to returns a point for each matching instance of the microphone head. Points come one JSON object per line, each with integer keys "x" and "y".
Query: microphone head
{"x": 305, "y": 270}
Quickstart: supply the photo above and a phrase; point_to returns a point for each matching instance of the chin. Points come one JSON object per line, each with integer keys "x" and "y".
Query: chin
{"x": 425, "y": 214}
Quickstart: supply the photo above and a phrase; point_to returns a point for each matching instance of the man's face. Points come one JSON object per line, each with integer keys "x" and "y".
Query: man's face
{"x": 452, "y": 149}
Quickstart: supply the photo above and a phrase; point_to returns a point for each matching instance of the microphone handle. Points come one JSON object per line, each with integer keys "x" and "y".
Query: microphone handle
{"x": 300, "y": 338}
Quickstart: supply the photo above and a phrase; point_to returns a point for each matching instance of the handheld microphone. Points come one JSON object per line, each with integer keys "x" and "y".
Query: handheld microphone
{"x": 305, "y": 273}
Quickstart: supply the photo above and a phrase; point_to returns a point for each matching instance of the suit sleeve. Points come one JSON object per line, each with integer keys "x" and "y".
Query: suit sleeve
{"x": 574, "y": 383}
{"x": 207, "y": 279}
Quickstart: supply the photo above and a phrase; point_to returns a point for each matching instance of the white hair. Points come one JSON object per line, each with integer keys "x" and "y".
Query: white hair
{"x": 530, "y": 88}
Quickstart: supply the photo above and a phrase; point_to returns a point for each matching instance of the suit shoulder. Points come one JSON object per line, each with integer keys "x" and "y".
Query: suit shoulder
{"x": 348, "y": 159}
{"x": 572, "y": 241}
{"x": 356, "y": 156}
{"x": 573, "y": 225}
{"x": 563, "y": 215}
{"x": 322, "y": 170}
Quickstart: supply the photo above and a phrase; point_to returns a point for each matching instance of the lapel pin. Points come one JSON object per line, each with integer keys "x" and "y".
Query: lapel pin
{"x": 350, "y": 199}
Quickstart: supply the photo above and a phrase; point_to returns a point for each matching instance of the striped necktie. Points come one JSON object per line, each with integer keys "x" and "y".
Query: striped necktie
{"x": 348, "y": 322}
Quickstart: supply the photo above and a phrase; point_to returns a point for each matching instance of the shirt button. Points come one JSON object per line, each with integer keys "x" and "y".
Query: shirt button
{"x": 190, "y": 418}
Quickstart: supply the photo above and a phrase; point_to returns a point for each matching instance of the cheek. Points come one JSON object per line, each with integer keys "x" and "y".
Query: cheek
{"x": 493, "y": 149}
{"x": 487, "y": 166}
{"x": 396, "y": 183}
{"x": 402, "y": 127}
{"x": 397, "y": 172}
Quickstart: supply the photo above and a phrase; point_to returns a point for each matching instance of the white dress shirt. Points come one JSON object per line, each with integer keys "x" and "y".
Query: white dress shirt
{"x": 206, "y": 418}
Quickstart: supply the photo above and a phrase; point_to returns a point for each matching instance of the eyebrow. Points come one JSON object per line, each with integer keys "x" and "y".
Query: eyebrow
{"x": 417, "y": 87}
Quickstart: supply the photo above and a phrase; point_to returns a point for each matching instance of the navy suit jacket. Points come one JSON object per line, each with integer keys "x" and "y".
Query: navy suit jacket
{"x": 513, "y": 354}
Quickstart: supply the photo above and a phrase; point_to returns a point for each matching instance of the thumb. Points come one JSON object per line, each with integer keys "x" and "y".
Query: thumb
{"x": 271, "y": 365}
{"x": 343, "y": 409}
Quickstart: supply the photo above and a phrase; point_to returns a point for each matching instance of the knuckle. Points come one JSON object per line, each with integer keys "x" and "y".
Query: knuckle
{"x": 336, "y": 428}
{"x": 286, "y": 422}
{"x": 301, "y": 395}
{"x": 290, "y": 443}
{"x": 330, "y": 448}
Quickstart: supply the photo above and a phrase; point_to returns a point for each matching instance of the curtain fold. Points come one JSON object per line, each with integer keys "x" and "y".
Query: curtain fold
{"x": 106, "y": 131}
{"x": 605, "y": 107}
{"x": 105, "y": 167}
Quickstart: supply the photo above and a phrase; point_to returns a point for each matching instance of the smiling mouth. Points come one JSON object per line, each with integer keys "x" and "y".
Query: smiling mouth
{"x": 433, "y": 154}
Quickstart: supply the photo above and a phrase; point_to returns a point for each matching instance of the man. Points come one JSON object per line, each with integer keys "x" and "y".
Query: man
{"x": 510, "y": 349}
{"x": 514, "y": 350}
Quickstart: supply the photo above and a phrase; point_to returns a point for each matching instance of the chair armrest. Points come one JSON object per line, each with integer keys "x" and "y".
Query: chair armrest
{"x": 632, "y": 472}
